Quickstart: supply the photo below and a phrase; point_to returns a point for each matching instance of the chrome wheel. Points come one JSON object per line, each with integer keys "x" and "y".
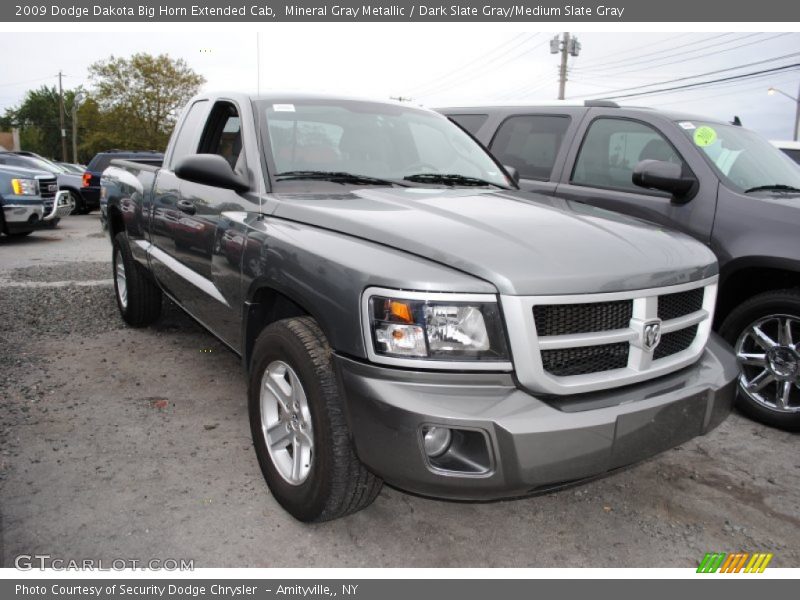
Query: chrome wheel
{"x": 286, "y": 422}
{"x": 769, "y": 353}
{"x": 122, "y": 282}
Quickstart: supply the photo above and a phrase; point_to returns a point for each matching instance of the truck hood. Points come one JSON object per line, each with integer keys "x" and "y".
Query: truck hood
{"x": 525, "y": 244}
{"x": 22, "y": 172}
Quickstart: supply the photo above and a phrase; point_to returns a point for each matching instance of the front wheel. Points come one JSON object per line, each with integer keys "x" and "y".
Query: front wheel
{"x": 138, "y": 298}
{"x": 765, "y": 334}
{"x": 299, "y": 430}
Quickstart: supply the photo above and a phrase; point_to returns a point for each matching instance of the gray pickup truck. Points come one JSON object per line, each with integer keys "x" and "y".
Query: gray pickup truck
{"x": 30, "y": 200}
{"x": 405, "y": 314}
{"x": 724, "y": 185}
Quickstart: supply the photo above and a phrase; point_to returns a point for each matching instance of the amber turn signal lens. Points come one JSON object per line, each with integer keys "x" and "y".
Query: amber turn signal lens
{"x": 401, "y": 310}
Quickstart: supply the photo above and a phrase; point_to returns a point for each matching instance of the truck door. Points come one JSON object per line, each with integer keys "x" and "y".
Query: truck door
{"x": 600, "y": 164}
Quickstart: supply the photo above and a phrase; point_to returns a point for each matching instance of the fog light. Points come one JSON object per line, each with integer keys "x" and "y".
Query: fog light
{"x": 436, "y": 440}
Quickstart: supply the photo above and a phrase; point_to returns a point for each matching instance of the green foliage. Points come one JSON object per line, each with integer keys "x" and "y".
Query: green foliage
{"x": 133, "y": 104}
{"x": 140, "y": 97}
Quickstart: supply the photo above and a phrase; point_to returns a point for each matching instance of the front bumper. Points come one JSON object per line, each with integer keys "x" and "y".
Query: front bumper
{"x": 26, "y": 214}
{"x": 534, "y": 443}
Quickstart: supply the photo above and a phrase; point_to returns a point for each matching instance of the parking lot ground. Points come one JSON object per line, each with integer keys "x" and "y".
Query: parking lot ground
{"x": 134, "y": 444}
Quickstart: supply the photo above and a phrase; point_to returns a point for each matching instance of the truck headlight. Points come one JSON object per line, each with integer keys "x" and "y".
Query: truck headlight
{"x": 409, "y": 328}
{"x": 25, "y": 187}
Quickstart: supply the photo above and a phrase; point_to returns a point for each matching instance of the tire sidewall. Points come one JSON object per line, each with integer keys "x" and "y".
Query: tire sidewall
{"x": 732, "y": 328}
{"x": 127, "y": 263}
{"x": 307, "y": 500}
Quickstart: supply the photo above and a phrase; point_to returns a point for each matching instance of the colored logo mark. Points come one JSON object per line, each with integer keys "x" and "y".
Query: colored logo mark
{"x": 739, "y": 562}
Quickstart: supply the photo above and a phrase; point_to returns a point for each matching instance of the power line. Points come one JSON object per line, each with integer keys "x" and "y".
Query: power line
{"x": 740, "y": 89}
{"x": 611, "y": 72}
{"x": 716, "y": 72}
{"x": 486, "y": 56}
{"x": 705, "y": 83}
{"x": 595, "y": 61}
{"x": 482, "y": 70}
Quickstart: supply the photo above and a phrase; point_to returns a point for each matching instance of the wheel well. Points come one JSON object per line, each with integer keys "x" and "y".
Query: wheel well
{"x": 266, "y": 307}
{"x": 747, "y": 282}
{"x": 115, "y": 222}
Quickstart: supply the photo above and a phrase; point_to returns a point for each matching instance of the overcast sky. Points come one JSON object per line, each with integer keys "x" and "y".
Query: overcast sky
{"x": 439, "y": 66}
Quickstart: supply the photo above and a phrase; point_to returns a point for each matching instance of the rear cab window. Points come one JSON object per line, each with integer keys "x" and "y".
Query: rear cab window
{"x": 471, "y": 123}
{"x": 530, "y": 144}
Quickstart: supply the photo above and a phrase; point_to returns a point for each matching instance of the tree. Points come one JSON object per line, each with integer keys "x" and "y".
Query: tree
{"x": 38, "y": 120}
{"x": 139, "y": 97}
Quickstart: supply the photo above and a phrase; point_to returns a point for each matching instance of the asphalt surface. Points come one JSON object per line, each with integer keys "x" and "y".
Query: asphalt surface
{"x": 134, "y": 444}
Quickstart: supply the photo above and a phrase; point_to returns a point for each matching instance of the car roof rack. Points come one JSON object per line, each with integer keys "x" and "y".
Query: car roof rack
{"x": 600, "y": 104}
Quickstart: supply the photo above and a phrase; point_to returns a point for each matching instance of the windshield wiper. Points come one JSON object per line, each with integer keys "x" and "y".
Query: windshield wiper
{"x": 451, "y": 179}
{"x": 778, "y": 187}
{"x": 338, "y": 177}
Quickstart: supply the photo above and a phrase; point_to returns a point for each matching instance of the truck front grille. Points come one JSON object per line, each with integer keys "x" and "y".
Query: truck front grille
{"x": 48, "y": 186}
{"x": 672, "y": 306}
{"x": 562, "y": 319}
{"x": 587, "y": 359}
{"x": 598, "y": 341}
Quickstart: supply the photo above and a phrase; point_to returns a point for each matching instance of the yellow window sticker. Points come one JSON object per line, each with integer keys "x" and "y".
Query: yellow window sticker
{"x": 705, "y": 136}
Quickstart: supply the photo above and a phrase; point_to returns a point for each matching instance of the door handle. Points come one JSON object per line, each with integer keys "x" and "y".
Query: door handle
{"x": 186, "y": 206}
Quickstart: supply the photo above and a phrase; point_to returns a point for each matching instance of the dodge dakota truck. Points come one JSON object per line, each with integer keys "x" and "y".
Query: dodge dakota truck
{"x": 721, "y": 183}
{"x": 404, "y": 314}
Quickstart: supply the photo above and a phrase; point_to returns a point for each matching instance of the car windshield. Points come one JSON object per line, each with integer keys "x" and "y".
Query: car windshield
{"x": 312, "y": 139}
{"x": 32, "y": 162}
{"x": 743, "y": 158}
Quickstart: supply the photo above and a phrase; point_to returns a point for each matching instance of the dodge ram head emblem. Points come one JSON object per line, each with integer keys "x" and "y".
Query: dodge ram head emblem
{"x": 651, "y": 335}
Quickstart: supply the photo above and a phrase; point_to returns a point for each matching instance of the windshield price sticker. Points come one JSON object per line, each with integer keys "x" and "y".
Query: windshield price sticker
{"x": 283, "y": 107}
{"x": 705, "y": 136}
{"x": 687, "y": 125}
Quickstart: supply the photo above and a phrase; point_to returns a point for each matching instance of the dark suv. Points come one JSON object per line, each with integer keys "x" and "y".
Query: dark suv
{"x": 721, "y": 183}
{"x": 91, "y": 177}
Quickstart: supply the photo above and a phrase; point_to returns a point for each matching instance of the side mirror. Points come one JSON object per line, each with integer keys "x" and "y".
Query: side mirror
{"x": 513, "y": 173}
{"x": 664, "y": 176}
{"x": 210, "y": 169}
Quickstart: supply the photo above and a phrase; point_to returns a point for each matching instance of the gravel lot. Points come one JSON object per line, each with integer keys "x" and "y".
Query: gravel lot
{"x": 134, "y": 444}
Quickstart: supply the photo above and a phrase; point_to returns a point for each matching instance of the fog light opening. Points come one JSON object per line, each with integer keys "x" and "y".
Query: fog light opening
{"x": 436, "y": 440}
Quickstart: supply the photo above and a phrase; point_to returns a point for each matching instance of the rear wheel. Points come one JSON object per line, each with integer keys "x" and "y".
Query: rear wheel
{"x": 765, "y": 333}
{"x": 77, "y": 201}
{"x": 299, "y": 430}
{"x": 138, "y": 298}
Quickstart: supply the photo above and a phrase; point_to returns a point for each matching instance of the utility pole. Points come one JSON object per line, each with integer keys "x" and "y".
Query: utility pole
{"x": 61, "y": 119}
{"x": 77, "y": 99}
{"x": 567, "y": 46}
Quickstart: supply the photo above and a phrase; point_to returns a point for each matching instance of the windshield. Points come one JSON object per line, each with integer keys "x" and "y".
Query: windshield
{"x": 743, "y": 158}
{"x": 374, "y": 140}
{"x": 33, "y": 162}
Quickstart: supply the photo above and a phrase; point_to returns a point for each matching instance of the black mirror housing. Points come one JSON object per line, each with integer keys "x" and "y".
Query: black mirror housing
{"x": 513, "y": 173}
{"x": 664, "y": 176}
{"x": 210, "y": 169}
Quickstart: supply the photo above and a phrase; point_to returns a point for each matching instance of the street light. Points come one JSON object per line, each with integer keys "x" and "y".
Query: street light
{"x": 77, "y": 100}
{"x": 772, "y": 91}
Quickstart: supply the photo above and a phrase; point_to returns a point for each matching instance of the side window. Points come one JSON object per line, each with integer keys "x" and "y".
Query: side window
{"x": 186, "y": 142}
{"x": 611, "y": 150}
{"x": 470, "y": 122}
{"x": 223, "y": 133}
{"x": 530, "y": 144}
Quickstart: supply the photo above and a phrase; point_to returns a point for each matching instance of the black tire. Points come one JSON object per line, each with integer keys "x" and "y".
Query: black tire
{"x": 143, "y": 301}
{"x": 80, "y": 205}
{"x": 337, "y": 483}
{"x": 779, "y": 302}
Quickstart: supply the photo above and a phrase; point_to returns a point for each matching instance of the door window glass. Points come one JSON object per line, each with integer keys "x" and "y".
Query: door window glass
{"x": 530, "y": 144}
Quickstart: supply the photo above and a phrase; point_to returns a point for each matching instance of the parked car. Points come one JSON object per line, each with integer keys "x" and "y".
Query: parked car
{"x": 30, "y": 200}
{"x": 790, "y": 149}
{"x": 414, "y": 318}
{"x": 69, "y": 182}
{"x": 72, "y": 168}
{"x": 90, "y": 186}
{"x": 721, "y": 183}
